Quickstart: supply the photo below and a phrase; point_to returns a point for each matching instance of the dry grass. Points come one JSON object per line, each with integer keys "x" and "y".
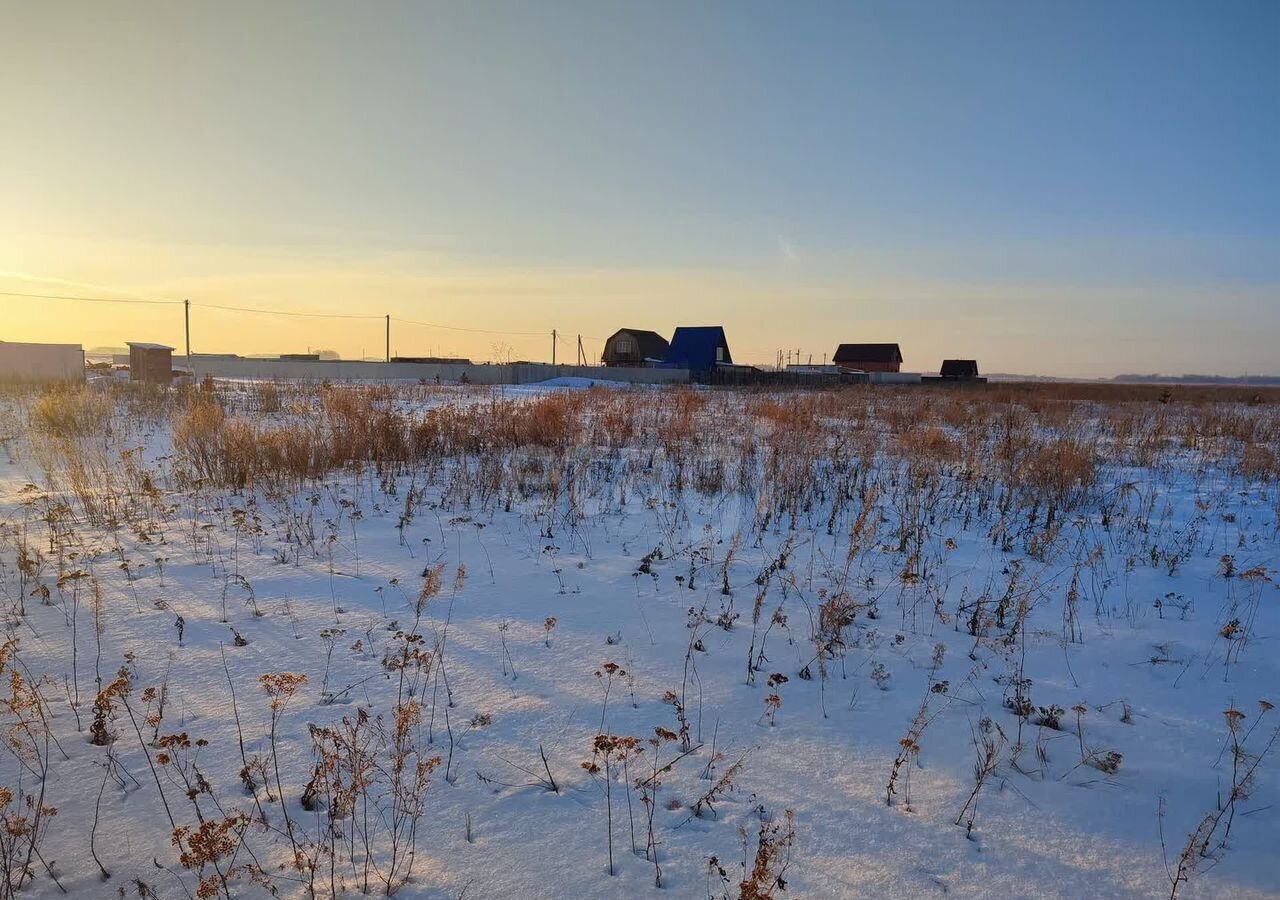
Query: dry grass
{"x": 897, "y": 472}
{"x": 71, "y": 412}
{"x": 1046, "y": 443}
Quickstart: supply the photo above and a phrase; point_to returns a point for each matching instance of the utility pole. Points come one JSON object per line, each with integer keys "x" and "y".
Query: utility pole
{"x": 553, "y": 346}
{"x": 582, "y": 356}
{"x": 186, "y": 321}
{"x": 388, "y": 337}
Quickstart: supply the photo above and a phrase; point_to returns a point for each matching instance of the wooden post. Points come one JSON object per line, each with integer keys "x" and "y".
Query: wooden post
{"x": 186, "y": 320}
{"x": 388, "y": 337}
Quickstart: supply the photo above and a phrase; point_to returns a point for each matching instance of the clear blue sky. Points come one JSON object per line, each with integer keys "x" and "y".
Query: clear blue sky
{"x": 1064, "y": 188}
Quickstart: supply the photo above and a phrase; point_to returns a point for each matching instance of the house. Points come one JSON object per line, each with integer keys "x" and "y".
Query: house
{"x": 699, "y": 349}
{"x": 869, "y": 357}
{"x": 152, "y": 363}
{"x": 960, "y": 369}
{"x": 20, "y": 361}
{"x": 634, "y": 347}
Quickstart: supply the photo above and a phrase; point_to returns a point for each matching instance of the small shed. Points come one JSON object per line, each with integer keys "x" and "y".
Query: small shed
{"x": 700, "y": 349}
{"x": 152, "y": 363}
{"x": 869, "y": 357}
{"x": 634, "y": 347}
{"x": 959, "y": 369}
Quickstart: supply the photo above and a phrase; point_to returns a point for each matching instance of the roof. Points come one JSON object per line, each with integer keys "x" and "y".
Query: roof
{"x": 650, "y": 344}
{"x": 433, "y": 360}
{"x": 143, "y": 345}
{"x": 959, "y": 368}
{"x": 41, "y": 344}
{"x": 694, "y": 347}
{"x": 878, "y": 353}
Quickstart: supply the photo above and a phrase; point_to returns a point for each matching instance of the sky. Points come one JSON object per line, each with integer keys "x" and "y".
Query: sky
{"x": 1052, "y": 188}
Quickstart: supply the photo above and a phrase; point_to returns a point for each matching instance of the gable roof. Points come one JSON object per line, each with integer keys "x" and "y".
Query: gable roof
{"x": 880, "y": 353}
{"x": 143, "y": 345}
{"x": 959, "y": 368}
{"x": 650, "y": 344}
{"x": 694, "y": 347}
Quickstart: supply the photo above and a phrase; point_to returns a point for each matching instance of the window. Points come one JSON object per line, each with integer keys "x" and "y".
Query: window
{"x": 719, "y": 354}
{"x": 624, "y": 347}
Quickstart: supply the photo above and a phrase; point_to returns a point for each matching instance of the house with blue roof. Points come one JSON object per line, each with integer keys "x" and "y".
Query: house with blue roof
{"x": 700, "y": 349}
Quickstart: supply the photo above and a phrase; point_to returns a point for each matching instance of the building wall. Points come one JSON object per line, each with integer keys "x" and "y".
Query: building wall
{"x": 894, "y": 377}
{"x": 356, "y": 370}
{"x": 613, "y": 358}
{"x": 871, "y": 366}
{"x": 154, "y": 366}
{"x": 953, "y": 382}
{"x": 700, "y": 354}
{"x": 41, "y": 362}
{"x": 815, "y": 369}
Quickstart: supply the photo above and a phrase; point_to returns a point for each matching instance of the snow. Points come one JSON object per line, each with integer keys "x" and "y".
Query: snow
{"x": 576, "y": 383}
{"x": 1153, "y": 682}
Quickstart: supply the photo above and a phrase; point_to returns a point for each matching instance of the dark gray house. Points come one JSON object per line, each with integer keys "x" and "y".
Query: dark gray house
{"x": 634, "y": 347}
{"x": 959, "y": 369}
{"x": 869, "y": 357}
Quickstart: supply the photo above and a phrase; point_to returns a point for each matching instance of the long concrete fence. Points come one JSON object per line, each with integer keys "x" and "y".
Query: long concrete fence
{"x": 360, "y": 370}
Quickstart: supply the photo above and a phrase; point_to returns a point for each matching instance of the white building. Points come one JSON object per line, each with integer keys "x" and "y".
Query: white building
{"x": 815, "y": 369}
{"x": 41, "y": 362}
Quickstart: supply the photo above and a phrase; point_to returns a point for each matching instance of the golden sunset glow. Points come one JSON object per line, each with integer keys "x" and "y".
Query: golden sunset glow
{"x": 510, "y": 174}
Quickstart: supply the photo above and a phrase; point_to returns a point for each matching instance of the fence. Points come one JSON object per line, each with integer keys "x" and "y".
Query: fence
{"x": 359, "y": 370}
{"x": 745, "y": 377}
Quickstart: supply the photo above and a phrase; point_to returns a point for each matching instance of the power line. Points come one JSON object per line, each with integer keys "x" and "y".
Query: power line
{"x": 283, "y": 312}
{"x": 471, "y": 330}
{"x": 275, "y": 312}
{"x": 311, "y": 315}
{"x": 289, "y": 313}
{"x": 269, "y": 312}
{"x": 88, "y": 299}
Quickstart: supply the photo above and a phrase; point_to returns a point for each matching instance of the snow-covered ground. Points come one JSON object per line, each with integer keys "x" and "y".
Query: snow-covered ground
{"x": 902, "y": 602}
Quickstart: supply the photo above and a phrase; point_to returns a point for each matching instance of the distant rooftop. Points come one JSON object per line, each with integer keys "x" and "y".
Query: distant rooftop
{"x": 880, "y": 353}
{"x": 143, "y": 345}
{"x": 36, "y": 344}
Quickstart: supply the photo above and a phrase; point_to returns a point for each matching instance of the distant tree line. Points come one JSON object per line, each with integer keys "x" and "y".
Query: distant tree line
{"x": 1199, "y": 379}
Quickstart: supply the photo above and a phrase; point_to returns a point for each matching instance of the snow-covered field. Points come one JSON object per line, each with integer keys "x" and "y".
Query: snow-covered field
{"x": 877, "y": 643}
